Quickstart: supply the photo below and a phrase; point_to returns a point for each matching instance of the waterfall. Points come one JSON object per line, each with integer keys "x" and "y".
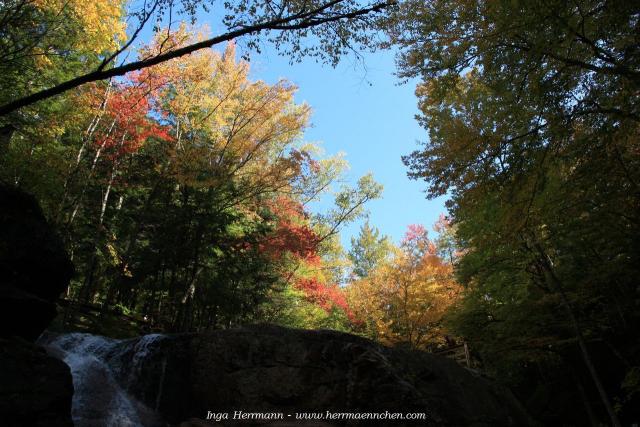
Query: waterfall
{"x": 104, "y": 370}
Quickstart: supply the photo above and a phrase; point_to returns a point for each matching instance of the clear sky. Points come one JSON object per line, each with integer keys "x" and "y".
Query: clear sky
{"x": 366, "y": 114}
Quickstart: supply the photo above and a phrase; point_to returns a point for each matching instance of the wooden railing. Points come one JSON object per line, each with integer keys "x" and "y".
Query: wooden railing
{"x": 459, "y": 353}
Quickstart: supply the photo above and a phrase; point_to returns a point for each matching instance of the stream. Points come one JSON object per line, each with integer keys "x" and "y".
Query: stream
{"x": 104, "y": 370}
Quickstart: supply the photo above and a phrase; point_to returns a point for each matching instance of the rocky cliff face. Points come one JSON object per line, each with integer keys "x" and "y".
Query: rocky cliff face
{"x": 35, "y": 388}
{"x": 274, "y": 369}
{"x": 34, "y": 266}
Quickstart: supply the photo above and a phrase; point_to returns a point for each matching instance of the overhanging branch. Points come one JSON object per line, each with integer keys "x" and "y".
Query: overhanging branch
{"x": 302, "y": 20}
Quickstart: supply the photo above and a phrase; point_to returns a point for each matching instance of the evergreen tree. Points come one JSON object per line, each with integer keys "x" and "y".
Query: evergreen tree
{"x": 367, "y": 250}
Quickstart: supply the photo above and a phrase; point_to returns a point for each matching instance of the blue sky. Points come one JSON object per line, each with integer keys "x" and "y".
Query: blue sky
{"x": 363, "y": 112}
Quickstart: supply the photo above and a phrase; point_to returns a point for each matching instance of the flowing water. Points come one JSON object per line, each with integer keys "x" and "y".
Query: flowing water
{"x": 103, "y": 370}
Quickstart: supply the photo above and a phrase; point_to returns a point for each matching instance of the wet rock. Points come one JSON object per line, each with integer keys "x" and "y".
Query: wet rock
{"x": 280, "y": 370}
{"x": 35, "y": 388}
{"x": 103, "y": 369}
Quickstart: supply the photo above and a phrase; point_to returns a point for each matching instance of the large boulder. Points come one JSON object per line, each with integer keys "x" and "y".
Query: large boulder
{"x": 34, "y": 266}
{"x": 273, "y": 369}
{"x": 270, "y": 369}
{"x": 35, "y": 388}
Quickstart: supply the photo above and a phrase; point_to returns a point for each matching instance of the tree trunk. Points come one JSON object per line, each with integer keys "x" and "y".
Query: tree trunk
{"x": 585, "y": 400}
{"x": 547, "y": 265}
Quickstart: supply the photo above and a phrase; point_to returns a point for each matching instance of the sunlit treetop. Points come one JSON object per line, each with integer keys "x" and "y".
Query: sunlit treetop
{"x": 225, "y": 125}
{"x": 101, "y": 22}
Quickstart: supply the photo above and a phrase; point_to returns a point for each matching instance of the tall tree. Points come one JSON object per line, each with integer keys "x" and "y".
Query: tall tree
{"x": 368, "y": 249}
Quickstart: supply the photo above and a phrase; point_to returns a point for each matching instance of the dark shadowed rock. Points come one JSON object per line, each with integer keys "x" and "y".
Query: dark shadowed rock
{"x": 35, "y": 388}
{"x": 23, "y": 314}
{"x": 34, "y": 266}
{"x": 274, "y": 369}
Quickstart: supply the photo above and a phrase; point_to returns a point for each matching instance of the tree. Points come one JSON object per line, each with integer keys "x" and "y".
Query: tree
{"x": 405, "y": 298}
{"x": 367, "y": 250}
{"x": 43, "y": 42}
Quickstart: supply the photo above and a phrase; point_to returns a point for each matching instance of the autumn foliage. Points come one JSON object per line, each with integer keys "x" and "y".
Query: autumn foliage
{"x": 405, "y": 298}
{"x": 181, "y": 189}
{"x": 327, "y": 296}
{"x": 125, "y": 123}
{"x": 293, "y": 234}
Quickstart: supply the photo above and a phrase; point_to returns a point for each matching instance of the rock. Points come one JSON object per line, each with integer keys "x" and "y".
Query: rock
{"x": 34, "y": 266}
{"x": 275, "y": 369}
{"x": 35, "y": 388}
{"x": 23, "y": 314}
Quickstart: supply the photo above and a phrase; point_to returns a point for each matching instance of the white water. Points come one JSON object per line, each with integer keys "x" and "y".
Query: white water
{"x": 99, "y": 400}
